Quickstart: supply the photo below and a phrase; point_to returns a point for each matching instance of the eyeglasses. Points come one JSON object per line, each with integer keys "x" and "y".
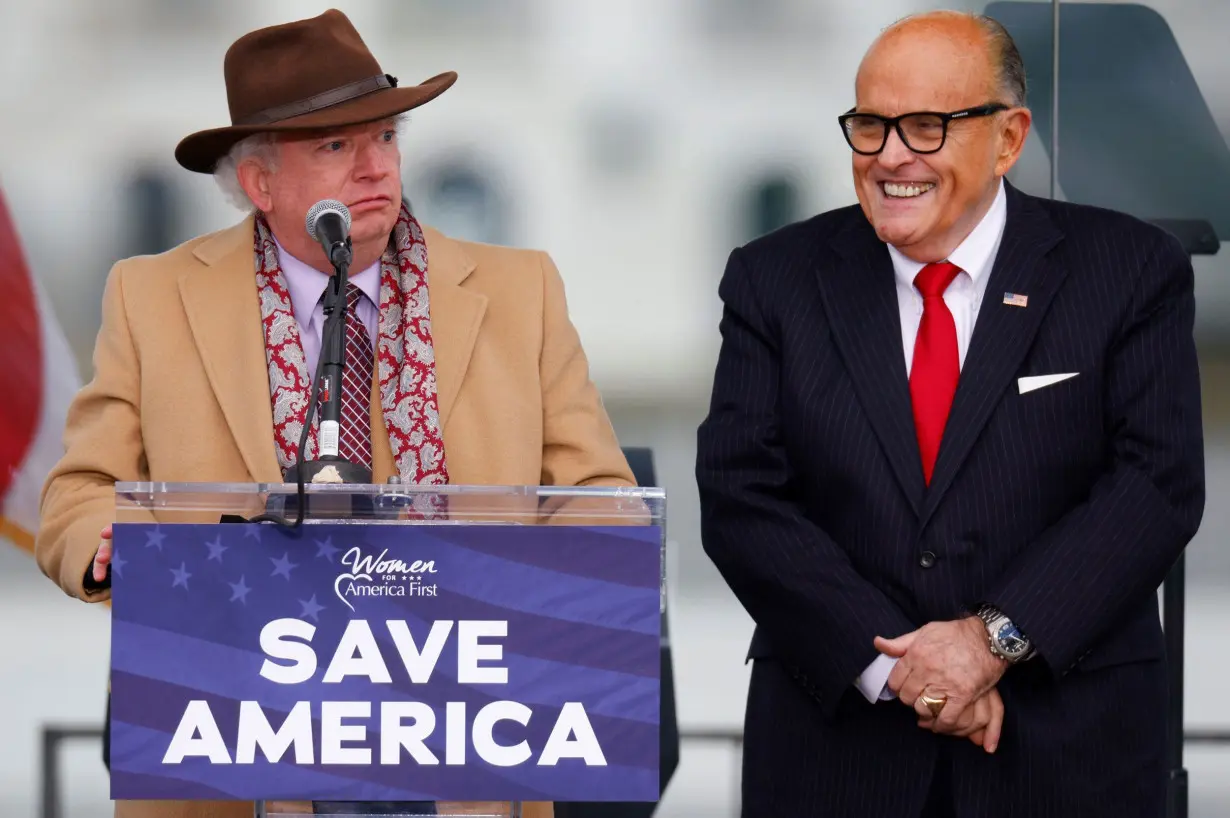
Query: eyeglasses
{"x": 921, "y": 131}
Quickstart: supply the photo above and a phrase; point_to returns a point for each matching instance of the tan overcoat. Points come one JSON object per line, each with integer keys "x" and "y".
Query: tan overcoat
{"x": 181, "y": 393}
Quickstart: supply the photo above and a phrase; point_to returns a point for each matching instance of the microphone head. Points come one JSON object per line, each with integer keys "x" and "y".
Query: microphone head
{"x": 321, "y": 208}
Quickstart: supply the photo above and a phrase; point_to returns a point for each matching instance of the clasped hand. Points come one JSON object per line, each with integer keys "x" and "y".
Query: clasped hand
{"x": 952, "y": 661}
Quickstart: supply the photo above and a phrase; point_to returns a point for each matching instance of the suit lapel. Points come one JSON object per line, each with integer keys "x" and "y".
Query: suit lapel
{"x": 456, "y": 315}
{"x": 860, "y": 299}
{"x": 224, "y": 316}
{"x": 1002, "y": 336}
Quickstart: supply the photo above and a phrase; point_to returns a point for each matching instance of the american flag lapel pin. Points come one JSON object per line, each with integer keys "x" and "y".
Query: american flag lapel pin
{"x": 1016, "y": 300}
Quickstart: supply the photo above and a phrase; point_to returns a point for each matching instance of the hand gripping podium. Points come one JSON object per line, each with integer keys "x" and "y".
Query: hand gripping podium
{"x": 403, "y": 651}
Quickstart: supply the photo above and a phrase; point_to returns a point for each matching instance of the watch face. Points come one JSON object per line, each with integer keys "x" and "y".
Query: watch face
{"x": 1010, "y": 640}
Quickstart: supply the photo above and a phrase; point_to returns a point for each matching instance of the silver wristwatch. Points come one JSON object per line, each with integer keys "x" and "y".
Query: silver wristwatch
{"x": 1005, "y": 639}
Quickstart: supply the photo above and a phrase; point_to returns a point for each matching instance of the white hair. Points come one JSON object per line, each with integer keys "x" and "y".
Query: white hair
{"x": 264, "y": 148}
{"x": 261, "y": 146}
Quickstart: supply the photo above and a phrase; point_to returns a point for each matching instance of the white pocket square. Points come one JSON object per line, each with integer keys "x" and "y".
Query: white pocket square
{"x": 1033, "y": 382}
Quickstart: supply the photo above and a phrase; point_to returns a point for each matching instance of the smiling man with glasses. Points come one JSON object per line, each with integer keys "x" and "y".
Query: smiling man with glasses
{"x": 953, "y": 448}
{"x": 920, "y": 131}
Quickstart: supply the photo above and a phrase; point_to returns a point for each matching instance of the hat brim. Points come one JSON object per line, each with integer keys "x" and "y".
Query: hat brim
{"x": 200, "y": 152}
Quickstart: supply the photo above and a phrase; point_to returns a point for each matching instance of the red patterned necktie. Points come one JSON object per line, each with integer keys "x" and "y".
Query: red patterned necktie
{"x": 937, "y": 363}
{"x": 355, "y": 440}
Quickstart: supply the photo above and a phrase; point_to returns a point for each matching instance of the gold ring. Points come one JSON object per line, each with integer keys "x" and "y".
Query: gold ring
{"x": 933, "y": 704}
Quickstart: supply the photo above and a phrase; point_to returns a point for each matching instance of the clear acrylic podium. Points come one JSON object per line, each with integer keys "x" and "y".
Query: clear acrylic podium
{"x": 498, "y": 515}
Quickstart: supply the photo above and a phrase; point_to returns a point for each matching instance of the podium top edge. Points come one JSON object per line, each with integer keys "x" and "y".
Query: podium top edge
{"x": 147, "y": 489}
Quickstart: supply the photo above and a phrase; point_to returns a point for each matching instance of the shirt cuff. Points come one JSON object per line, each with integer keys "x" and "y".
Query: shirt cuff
{"x": 873, "y": 683}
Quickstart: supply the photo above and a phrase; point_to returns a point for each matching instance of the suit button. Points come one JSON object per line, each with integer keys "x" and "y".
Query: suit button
{"x": 927, "y": 559}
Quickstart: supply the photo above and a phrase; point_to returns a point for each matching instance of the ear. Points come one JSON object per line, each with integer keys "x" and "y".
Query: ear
{"x": 1012, "y": 134}
{"x": 254, "y": 178}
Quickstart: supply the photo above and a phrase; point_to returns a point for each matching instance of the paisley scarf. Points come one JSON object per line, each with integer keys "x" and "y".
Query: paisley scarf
{"x": 405, "y": 358}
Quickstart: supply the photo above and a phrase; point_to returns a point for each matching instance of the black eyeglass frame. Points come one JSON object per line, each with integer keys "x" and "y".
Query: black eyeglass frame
{"x": 894, "y": 123}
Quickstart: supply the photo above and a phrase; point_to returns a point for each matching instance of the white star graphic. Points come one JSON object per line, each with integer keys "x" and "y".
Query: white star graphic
{"x": 117, "y": 564}
{"x": 283, "y": 566}
{"x": 311, "y": 608}
{"x": 239, "y": 591}
{"x": 181, "y": 576}
{"x": 153, "y": 539}
{"x": 216, "y": 548}
{"x": 325, "y": 548}
{"x": 252, "y": 530}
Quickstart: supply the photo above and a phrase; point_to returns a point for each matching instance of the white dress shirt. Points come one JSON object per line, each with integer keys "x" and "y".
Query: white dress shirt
{"x": 975, "y": 256}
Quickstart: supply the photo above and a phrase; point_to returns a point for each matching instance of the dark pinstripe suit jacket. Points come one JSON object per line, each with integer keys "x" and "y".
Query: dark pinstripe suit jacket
{"x": 1064, "y": 506}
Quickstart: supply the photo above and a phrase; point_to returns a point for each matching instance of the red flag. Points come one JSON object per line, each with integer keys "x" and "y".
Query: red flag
{"x": 39, "y": 379}
{"x": 21, "y": 354}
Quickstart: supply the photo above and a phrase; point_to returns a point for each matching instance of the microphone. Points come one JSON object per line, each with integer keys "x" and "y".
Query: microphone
{"x": 328, "y": 221}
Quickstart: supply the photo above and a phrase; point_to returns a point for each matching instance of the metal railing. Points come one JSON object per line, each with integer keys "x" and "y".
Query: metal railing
{"x": 735, "y": 737}
{"x": 53, "y": 737}
{"x": 49, "y": 759}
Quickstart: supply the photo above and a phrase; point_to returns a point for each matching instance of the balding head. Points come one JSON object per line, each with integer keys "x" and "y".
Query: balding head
{"x": 925, "y": 193}
{"x": 1003, "y": 63}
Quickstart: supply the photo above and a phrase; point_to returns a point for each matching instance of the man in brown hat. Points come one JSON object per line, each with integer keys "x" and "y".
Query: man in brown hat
{"x": 469, "y": 370}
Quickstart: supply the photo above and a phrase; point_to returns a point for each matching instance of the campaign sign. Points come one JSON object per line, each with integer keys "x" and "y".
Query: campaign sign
{"x": 379, "y": 662}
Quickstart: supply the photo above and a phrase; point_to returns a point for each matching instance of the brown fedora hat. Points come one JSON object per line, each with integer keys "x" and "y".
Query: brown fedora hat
{"x": 309, "y": 74}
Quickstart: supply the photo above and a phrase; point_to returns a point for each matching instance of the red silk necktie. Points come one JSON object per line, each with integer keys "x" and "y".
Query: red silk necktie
{"x": 937, "y": 363}
{"x": 355, "y": 440}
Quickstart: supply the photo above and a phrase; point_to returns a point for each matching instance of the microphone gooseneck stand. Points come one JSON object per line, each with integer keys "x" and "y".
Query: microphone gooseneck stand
{"x": 328, "y": 466}
{"x": 330, "y": 370}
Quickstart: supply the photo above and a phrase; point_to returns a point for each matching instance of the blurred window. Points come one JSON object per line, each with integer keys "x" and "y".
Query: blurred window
{"x": 770, "y": 202}
{"x": 434, "y": 17}
{"x": 778, "y": 20}
{"x": 460, "y": 202}
{"x": 152, "y": 208}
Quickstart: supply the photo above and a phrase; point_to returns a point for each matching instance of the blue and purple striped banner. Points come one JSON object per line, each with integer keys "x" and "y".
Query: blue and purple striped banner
{"x": 232, "y": 645}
